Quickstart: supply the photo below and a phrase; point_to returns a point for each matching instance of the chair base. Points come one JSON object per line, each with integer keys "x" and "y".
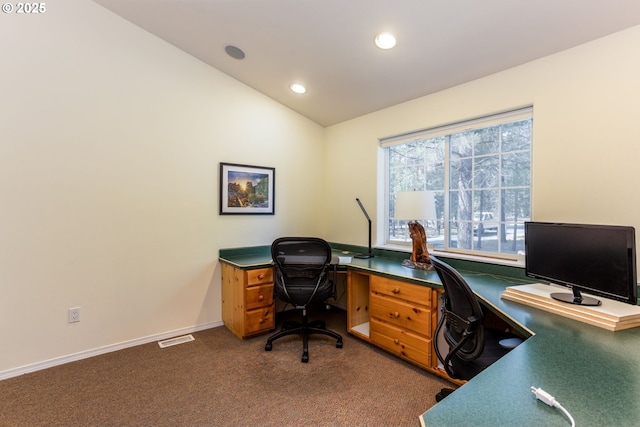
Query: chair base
{"x": 443, "y": 393}
{"x": 305, "y": 329}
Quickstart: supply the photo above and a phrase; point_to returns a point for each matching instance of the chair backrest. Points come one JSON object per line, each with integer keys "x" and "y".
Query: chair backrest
{"x": 462, "y": 316}
{"x": 301, "y": 269}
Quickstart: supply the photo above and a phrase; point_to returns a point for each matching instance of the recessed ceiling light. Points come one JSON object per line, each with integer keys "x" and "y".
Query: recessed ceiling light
{"x": 385, "y": 40}
{"x": 234, "y": 52}
{"x": 298, "y": 88}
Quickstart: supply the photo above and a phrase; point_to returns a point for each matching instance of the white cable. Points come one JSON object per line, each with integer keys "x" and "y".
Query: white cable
{"x": 551, "y": 401}
{"x": 573, "y": 423}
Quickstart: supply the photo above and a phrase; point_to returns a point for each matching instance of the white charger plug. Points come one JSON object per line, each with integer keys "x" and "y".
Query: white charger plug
{"x": 551, "y": 401}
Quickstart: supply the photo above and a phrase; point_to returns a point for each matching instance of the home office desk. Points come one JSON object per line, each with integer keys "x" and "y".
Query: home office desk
{"x": 594, "y": 373}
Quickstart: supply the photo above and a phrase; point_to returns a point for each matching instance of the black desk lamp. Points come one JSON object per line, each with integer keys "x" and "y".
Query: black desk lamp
{"x": 364, "y": 211}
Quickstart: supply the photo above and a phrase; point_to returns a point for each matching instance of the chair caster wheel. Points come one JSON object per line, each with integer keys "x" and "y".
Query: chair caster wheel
{"x": 305, "y": 358}
{"x": 268, "y": 346}
{"x": 339, "y": 344}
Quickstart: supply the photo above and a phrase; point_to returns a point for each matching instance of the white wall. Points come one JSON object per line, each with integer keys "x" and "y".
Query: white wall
{"x": 110, "y": 143}
{"x": 586, "y": 141}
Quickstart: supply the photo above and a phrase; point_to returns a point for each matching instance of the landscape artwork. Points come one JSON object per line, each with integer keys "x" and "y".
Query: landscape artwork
{"x": 246, "y": 189}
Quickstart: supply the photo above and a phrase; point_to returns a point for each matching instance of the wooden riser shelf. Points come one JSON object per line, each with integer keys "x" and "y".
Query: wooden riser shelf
{"x": 611, "y": 315}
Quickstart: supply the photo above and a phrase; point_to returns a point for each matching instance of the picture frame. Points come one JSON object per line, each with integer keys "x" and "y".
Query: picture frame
{"x": 247, "y": 189}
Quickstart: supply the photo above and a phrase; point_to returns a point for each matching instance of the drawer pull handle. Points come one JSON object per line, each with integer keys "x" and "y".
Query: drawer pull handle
{"x": 396, "y": 314}
{"x": 261, "y": 276}
{"x": 261, "y": 297}
{"x": 396, "y": 341}
{"x": 395, "y": 291}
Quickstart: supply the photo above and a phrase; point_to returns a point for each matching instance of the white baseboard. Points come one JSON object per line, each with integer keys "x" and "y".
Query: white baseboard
{"x": 10, "y": 373}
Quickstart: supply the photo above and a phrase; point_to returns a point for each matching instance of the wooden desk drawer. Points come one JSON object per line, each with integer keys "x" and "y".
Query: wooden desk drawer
{"x": 259, "y": 320}
{"x": 406, "y": 291}
{"x": 401, "y": 342}
{"x": 259, "y": 276}
{"x": 259, "y": 296}
{"x": 414, "y": 317}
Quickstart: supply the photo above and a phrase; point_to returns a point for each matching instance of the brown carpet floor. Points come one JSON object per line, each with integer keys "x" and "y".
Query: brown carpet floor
{"x": 219, "y": 380}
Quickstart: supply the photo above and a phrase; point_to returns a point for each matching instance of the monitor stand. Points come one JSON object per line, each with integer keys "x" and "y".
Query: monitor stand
{"x": 575, "y": 298}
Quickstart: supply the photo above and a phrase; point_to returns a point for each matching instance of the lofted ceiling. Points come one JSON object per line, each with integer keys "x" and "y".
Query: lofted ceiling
{"x": 328, "y": 44}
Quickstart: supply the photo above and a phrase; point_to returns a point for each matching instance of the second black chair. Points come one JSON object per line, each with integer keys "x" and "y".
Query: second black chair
{"x": 472, "y": 347}
{"x": 302, "y": 267}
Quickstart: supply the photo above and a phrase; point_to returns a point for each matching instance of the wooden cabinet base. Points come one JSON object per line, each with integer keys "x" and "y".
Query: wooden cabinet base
{"x": 397, "y": 316}
{"x": 247, "y": 300}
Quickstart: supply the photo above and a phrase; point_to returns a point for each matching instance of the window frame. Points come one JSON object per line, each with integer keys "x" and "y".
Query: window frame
{"x": 510, "y": 116}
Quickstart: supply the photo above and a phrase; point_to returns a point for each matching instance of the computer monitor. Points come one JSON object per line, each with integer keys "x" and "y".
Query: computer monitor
{"x": 596, "y": 259}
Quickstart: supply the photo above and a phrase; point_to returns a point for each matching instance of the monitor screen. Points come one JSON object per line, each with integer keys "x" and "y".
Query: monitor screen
{"x": 597, "y": 259}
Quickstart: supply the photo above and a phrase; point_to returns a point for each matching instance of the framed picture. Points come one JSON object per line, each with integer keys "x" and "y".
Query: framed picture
{"x": 246, "y": 190}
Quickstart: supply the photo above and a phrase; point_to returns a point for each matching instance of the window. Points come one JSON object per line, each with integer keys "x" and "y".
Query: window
{"x": 479, "y": 173}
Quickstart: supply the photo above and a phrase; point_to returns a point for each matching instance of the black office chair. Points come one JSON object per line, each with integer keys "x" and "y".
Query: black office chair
{"x": 472, "y": 347}
{"x": 302, "y": 266}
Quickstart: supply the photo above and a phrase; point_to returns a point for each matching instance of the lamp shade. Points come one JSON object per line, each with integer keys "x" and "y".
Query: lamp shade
{"x": 415, "y": 205}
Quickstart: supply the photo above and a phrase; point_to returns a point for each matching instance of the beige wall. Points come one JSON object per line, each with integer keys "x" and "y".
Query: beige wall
{"x": 109, "y": 152}
{"x": 586, "y": 136}
{"x": 110, "y": 141}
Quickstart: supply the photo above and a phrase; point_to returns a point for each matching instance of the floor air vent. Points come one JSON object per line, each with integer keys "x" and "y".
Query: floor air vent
{"x": 175, "y": 341}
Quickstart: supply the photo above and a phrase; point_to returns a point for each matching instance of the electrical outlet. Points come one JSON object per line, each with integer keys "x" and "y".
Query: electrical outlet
{"x": 74, "y": 314}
